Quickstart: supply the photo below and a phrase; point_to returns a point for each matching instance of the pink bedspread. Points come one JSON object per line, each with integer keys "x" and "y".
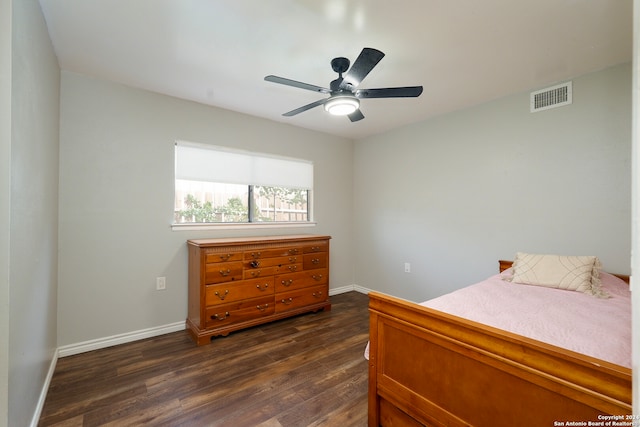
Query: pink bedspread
{"x": 597, "y": 327}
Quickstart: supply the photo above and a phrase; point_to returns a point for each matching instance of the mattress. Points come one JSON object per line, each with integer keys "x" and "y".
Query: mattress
{"x": 596, "y": 327}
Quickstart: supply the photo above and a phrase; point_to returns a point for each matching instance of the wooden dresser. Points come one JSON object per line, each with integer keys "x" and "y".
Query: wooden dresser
{"x": 236, "y": 283}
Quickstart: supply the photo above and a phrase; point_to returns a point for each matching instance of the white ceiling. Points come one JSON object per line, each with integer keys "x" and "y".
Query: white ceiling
{"x": 217, "y": 52}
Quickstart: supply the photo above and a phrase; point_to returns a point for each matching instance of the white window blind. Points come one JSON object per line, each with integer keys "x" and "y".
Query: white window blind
{"x": 200, "y": 162}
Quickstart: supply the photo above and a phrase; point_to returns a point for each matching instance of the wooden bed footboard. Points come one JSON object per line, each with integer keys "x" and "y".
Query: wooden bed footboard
{"x": 430, "y": 368}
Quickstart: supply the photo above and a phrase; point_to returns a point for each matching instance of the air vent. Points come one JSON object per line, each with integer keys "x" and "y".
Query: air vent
{"x": 551, "y": 97}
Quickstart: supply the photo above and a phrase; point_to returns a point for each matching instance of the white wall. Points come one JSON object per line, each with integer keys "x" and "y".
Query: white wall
{"x": 33, "y": 229}
{"x": 454, "y": 194}
{"x": 116, "y": 201}
{"x": 5, "y": 202}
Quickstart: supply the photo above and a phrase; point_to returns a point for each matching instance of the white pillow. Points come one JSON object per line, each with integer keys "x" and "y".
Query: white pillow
{"x": 573, "y": 273}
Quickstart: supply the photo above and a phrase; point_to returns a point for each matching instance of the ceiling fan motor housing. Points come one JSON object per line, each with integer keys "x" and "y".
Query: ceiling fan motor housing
{"x": 340, "y": 65}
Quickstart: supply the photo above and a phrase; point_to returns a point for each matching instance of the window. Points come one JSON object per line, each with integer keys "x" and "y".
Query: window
{"x": 220, "y": 185}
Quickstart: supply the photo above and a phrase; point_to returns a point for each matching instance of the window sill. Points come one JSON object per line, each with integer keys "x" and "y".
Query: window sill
{"x": 243, "y": 226}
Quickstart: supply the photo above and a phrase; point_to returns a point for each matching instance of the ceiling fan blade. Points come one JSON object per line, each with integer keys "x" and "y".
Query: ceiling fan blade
{"x": 306, "y": 107}
{"x": 390, "y": 92}
{"x": 289, "y": 82}
{"x": 356, "y": 115}
{"x": 363, "y": 64}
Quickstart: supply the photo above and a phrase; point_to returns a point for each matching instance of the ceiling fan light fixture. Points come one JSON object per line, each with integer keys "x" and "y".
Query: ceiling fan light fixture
{"x": 342, "y": 105}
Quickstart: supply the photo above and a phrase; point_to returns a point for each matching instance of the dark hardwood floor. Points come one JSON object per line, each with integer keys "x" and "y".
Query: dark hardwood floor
{"x": 304, "y": 371}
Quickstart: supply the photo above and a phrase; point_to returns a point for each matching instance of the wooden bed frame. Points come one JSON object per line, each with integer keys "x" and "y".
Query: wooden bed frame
{"x": 430, "y": 368}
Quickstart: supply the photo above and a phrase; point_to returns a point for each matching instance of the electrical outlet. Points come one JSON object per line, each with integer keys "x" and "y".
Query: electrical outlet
{"x": 161, "y": 283}
{"x": 407, "y": 267}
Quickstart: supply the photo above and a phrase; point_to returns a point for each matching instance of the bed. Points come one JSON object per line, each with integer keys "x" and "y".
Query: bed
{"x": 428, "y": 367}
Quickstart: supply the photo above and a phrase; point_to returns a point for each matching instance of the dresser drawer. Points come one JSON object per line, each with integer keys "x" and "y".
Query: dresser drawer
{"x": 273, "y": 253}
{"x": 234, "y": 291}
{"x": 211, "y": 257}
{"x": 292, "y": 268}
{"x": 316, "y": 260}
{"x": 223, "y": 272}
{"x": 254, "y": 273}
{"x": 239, "y": 311}
{"x": 316, "y": 247}
{"x": 301, "y": 297}
{"x": 287, "y": 282}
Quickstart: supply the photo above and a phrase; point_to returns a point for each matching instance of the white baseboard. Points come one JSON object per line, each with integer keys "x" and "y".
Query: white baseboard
{"x": 45, "y": 389}
{"x": 340, "y": 290}
{"x": 349, "y": 288}
{"x": 361, "y": 289}
{"x": 82, "y": 347}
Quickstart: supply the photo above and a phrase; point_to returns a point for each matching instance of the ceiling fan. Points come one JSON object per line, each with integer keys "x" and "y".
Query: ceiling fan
{"x": 344, "y": 95}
